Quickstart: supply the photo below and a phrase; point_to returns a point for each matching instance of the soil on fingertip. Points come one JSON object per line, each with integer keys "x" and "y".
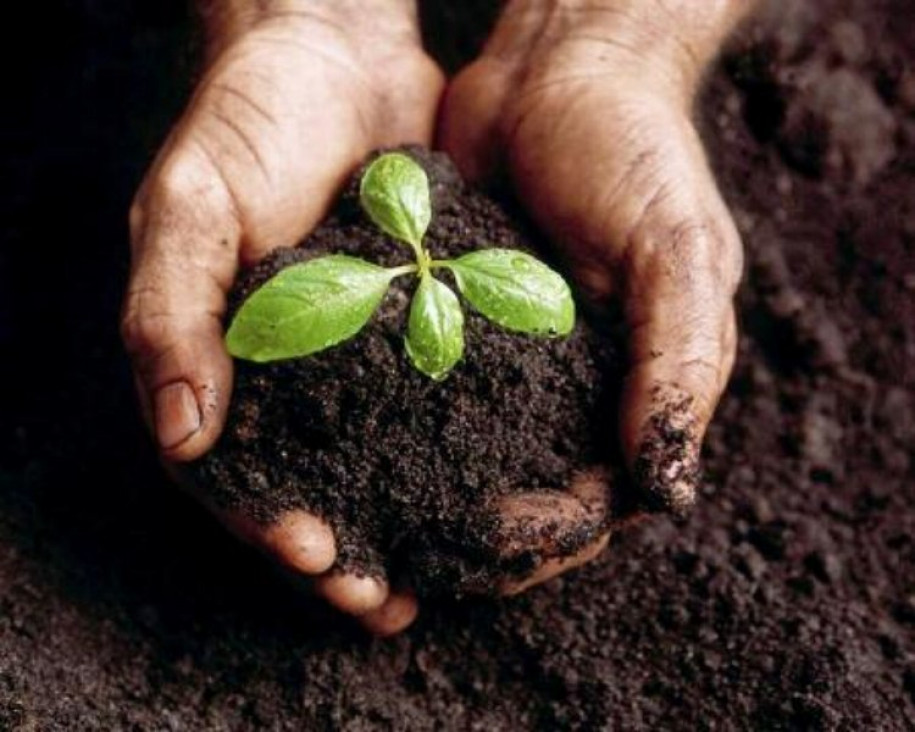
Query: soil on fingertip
{"x": 410, "y": 473}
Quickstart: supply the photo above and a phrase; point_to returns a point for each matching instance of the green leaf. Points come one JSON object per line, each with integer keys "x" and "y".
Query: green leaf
{"x": 516, "y": 291}
{"x": 307, "y": 307}
{"x": 435, "y": 332}
{"x": 395, "y": 194}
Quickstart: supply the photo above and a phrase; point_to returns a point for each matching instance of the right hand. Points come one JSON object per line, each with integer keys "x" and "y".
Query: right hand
{"x": 295, "y": 96}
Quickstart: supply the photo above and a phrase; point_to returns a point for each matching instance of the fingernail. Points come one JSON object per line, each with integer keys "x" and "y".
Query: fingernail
{"x": 177, "y": 414}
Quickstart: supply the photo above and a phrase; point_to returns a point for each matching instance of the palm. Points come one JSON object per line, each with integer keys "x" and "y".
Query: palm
{"x": 596, "y": 166}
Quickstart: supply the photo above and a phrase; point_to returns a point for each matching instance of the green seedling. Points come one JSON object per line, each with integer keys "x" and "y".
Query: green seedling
{"x": 317, "y": 304}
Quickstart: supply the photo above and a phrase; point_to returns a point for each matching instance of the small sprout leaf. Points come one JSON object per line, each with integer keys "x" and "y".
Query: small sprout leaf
{"x": 516, "y": 291}
{"x": 395, "y": 194}
{"x": 307, "y": 307}
{"x": 435, "y": 331}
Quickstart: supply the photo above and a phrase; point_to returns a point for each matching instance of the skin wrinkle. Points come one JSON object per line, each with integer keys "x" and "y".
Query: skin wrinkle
{"x": 648, "y": 324}
{"x": 143, "y": 334}
{"x": 626, "y": 181}
{"x": 227, "y": 20}
{"x": 547, "y": 23}
{"x": 643, "y": 163}
{"x": 408, "y": 33}
{"x": 180, "y": 209}
{"x": 642, "y": 29}
{"x": 356, "y": 74}
{"x": 690, "y": 54}
{"x": 527, "y": 30}
{"x": 668, "y": 240}
{"x": 607, "y": 41}
{"x": 243, "y": 60}
{"x": 238, "y": 94}
{"x": 150, "y": 317}
{"x": 695, "y": 38}
{"x": 331, "y": 59}
{"x": 163, "y": 286}
{"x": 245, "y": 140}
{"x": 527, "y": 91}
{"x": 636, "y": 243}
{"x": 685, "y": 261}
{"x": 177, "y": 263}
{"x": 642, "y": 166}
{"x": 235, "y": 210}
{"x": 700, "y": 363}
{"x": 340, "y": 28}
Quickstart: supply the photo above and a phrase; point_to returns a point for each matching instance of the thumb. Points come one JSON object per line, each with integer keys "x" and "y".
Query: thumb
{"x": 184, "y": 240}
{"x": 681, "y": 272}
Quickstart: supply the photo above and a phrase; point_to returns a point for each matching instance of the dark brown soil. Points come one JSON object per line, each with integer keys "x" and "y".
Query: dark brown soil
{"x": 786, "y": 601}
{"x": 409, "y": 471}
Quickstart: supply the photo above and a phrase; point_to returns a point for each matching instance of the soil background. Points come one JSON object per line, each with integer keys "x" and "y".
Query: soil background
{"x": 787, "y": 600}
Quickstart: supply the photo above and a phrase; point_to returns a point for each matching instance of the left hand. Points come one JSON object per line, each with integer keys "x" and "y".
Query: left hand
{"x": 296, "y": 93}
{"x": 586, "y": 107}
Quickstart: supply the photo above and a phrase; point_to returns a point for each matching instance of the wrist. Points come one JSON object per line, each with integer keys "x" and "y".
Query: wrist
{"x": 677, "y": 39}
{"x": 226, "y": 20}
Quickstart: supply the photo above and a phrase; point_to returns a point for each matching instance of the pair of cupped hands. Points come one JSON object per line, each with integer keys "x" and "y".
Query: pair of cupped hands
{"x": 584, "y": 106}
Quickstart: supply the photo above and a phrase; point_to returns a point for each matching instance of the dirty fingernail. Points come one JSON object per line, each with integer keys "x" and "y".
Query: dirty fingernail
{"x": 177, "y": 414}
{"x": 667, "y": 470}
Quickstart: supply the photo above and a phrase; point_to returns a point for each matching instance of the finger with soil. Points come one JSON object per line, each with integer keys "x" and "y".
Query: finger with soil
{"x": 542, "y": 534}
{"x": 295, "y": 539}
{"x": 555, "y": 566}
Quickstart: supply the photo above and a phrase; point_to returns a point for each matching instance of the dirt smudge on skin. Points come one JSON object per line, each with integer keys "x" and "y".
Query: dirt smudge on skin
{"x": 667, "y": 472}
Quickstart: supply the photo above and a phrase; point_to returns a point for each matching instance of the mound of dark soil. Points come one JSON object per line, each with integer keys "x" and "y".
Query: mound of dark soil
{"x": 786, "y": 602}
{"x": 409, "y": 471}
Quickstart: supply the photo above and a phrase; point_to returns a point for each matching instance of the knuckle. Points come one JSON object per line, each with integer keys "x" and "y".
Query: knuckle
{"x": 187, "y": 187}
{"x": 152, "y": 320}
{"x": 175, "y": 184}
{"x": 142, "y": 332}
{"x": 696, "y": 256}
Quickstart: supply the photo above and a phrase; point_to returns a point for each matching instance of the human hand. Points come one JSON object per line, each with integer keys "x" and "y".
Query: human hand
{"x": 586, "y": 106}
{"x": 294, "y": 96}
